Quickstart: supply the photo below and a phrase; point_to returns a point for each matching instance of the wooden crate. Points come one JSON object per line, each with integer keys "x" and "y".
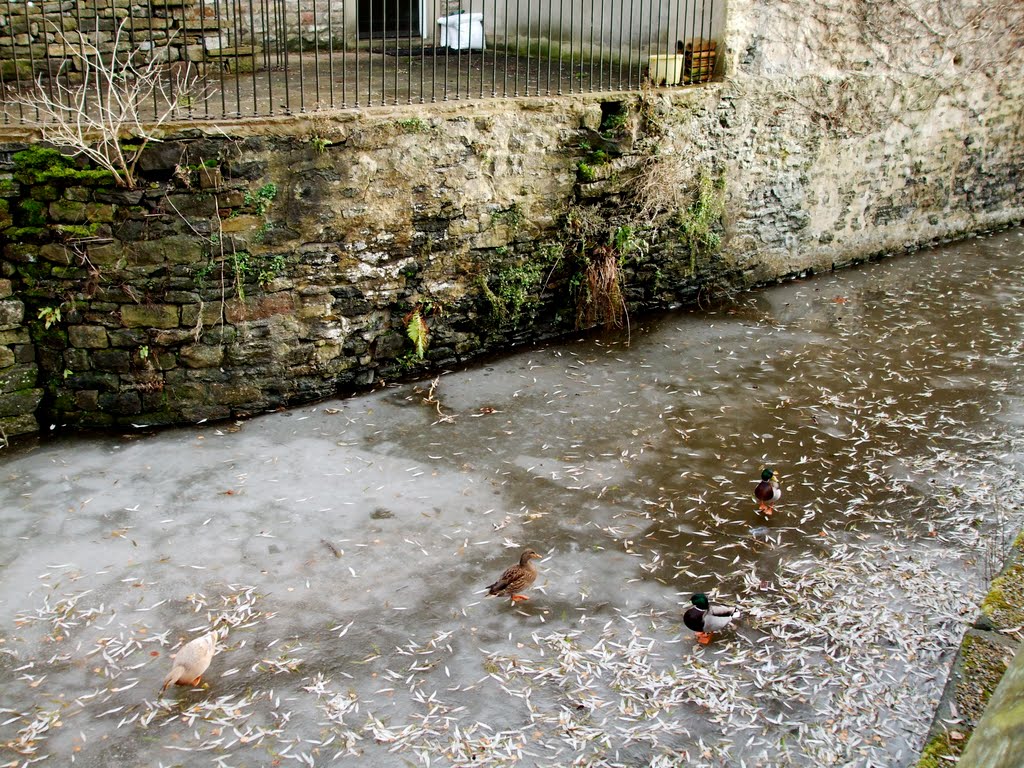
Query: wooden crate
{"x": 699, "y": 59}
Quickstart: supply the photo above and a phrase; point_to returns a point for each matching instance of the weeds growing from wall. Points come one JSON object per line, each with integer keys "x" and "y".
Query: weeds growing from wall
{"x": 600, "y": 299}
{"x": 49, "y": 315}
{"x": 261, "y": 199}
{"x": 697, "y": 225}
{"x": 514, "y": 287}
{"x": 513, "y": 216}
{"x": 412, "y": 125}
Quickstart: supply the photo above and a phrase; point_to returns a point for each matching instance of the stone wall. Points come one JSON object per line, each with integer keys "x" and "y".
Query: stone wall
{"x": 265, "y": 264}
{"x": 40, "y": 38}
{"x": 19, "y": 394}
{"x": 35, "y": 38}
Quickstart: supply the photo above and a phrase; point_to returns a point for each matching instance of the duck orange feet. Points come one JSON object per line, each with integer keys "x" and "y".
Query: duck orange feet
{"x": 519, "y": 598}
{"x": 703, "y": 638}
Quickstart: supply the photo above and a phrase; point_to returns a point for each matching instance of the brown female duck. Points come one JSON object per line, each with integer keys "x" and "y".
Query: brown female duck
{"x": 516, "y": 578}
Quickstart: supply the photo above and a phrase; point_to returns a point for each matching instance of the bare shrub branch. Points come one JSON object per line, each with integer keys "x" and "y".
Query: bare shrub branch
{"x": 95, "y": 101}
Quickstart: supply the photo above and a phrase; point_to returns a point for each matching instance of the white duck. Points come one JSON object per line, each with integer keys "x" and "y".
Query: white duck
{"x": 192, "y": 660}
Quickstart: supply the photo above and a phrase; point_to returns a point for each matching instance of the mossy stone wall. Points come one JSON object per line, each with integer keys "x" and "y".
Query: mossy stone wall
{"x": 19, "y": 392}
{"x": 263, "y": 264}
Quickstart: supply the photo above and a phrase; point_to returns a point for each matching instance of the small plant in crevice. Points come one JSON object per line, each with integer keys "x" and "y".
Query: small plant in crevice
{"x": 50, "y": 316}
{"x": 417, "y": 331}
{"x": 416, "y": 327}
{"x": 189, "y": 175}
{"x": 512, "y": 290}
{"x": 240, "y": 266}
{"x": 261, "y": 199}
{"x": 586, "y": 169}
{"x": 512, "y": 216}
{"x": 412, "y": 125}
{"x": 203, "y": 273}
{"x": 628, "y": 243}
{"x": 269, "y": 268}
{"x": 614, "y": 118}
{"x": 697, "y": 224}
{"x": 237, "y": 268}
{"x": 183, "y": 174}
{"x": 323, "y": 133}
{"x": 249, "y": 268}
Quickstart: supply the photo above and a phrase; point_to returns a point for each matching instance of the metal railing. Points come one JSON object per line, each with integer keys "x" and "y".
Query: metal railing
{"x": 260, "y": 58}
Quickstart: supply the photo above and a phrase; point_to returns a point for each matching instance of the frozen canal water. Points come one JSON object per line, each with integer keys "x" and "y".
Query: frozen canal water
{"x": 347, "y": 546}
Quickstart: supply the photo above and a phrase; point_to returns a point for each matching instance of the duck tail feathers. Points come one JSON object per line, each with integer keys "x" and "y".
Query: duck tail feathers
{"x": 172, "y": 677}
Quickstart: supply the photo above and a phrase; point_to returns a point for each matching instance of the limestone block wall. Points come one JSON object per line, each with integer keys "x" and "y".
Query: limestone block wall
{"x": 264, "y": 264}
{"x": 904, "y": 127}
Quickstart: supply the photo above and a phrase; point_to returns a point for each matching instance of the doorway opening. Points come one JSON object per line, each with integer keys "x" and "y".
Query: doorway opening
{"x": 388, "y": 18}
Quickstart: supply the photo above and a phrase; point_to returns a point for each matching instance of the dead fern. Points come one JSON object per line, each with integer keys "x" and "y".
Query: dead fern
{"x": 601, "y": 300}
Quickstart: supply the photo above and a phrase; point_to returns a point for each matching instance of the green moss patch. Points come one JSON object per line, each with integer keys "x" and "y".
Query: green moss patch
{"x": 980, "y": 667}
{"x": 31, "y": 213}
{"x": 1004, "y": 603}
{"x": 940, "y": 748}
{"x": 45, "y": 166}
{"x": 24, "y": 233}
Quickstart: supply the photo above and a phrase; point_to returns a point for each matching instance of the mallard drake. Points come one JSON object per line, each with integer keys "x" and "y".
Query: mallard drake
{"x": 191, "y": 661}
{"x": 768, "y": 491}
{"x": 516, "y": 578}
{"x": 705, "y": 618}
